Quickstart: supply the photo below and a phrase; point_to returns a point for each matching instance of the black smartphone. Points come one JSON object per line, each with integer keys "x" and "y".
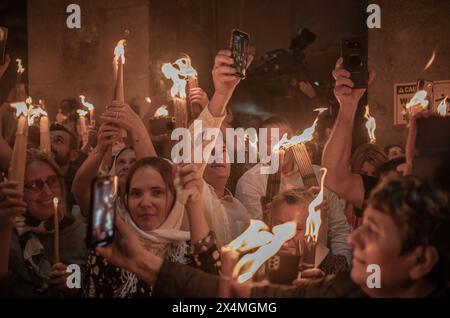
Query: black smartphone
{"x": 101, "y": 222}
{"x": 239, "y": 51}
{"x": 162, "y": 126}
{"x": 3, "y": 38}
{"x": 354, "y": 54}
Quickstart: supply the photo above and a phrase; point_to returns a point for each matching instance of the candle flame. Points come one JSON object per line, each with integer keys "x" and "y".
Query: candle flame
{"x": 119, "y": 51}
{"x": 430, "y": 61}
{"x": 267, "y": 244}
{"x": 20, "y": 68}
{"x": 442, "y": 107}
{"x": 82, "y": 112}
{"x": 179, "y": 72}
{"x": 55, "y": 203}
{"x": 34, "y": 113}
{"x": 161, "y": 112}
{"x": 307, "y": 134}
{"x": 148, "y": 100}
{"x": 86, "y": 104}
{"x": 313, "y": 221}
{"x": 21, "y": 109}
{"x": 418, "y": 99}
{"x": 371, "y": 125}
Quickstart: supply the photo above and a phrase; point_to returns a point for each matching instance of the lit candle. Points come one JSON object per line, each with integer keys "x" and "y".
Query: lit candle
{"x": 83, "y": 128}
{"x": 44, "y": 129}
{"x": 118, "y": 62}
{"x": 18, "y": 158}
{"x": 56, "y": 234}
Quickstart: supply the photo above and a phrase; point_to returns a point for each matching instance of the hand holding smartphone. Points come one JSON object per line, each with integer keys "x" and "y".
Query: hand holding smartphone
{"x": 239, "y": 51}
{"x": 103, "y": 212}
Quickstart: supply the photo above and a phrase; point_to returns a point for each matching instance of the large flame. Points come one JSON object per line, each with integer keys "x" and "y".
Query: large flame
{"x": 179, "y": 72}
{"x": 86, "y": 104}
{"x": 20, "y": 68}
{"x": 442, "y": 107}
{"x": 119, "y": 51}
{"x": 307, "y": 134}
{"x": 419, "y": 99}
{"x": 267, "y": 244}
{"x": 21, "y": 109}
{"x": 371, "y": 125}
{"x": 313, "y": 221}
{"x": 161, "y": 112}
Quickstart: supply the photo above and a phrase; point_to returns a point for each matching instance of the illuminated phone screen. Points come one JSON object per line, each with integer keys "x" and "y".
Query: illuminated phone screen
{"x": 102, "y": 230}
{"x": 239, "y": 48}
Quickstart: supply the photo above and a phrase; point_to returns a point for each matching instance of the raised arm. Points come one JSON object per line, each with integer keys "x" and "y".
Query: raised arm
{"x": 337, "y": 151}
{"x": 81, "y": 186}
{"x": 125, "y": 117}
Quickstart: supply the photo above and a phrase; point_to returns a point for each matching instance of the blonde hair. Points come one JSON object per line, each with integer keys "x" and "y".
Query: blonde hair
{"x": 291, "y": 196}
{"x": 370, "y": 153}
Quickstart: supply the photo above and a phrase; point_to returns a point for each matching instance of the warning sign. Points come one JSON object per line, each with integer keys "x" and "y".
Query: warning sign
{"x": 402, "y": 95}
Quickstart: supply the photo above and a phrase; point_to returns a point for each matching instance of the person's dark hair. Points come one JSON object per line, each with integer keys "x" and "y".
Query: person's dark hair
{"x": 164, "y": 168}
{"x": 73, "y": 137}
{"x": 390, "y": 165}
{"x": 422, "y": 215}
{"x": 325, "y": 120}
{"x": 276, "y": 121}
{"x": 387, "y": 148}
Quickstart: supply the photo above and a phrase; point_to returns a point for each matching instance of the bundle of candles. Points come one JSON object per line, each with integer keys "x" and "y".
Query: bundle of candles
{"x": 180, "y": 72}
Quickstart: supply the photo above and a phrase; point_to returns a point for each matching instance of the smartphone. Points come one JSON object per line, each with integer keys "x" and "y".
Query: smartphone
{"x": 101, "y": 223}
{"x": 239, "y": 51}
{"x": 162, "y": 126}
{"x": 354, "y": 54}
{"x": 3, "y": 38}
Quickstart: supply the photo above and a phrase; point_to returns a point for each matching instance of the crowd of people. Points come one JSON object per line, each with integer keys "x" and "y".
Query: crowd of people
{"x": 174, "y": 220}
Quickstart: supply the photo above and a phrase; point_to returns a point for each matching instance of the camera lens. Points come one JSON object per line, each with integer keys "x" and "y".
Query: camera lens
{"x": 353, "y": 45}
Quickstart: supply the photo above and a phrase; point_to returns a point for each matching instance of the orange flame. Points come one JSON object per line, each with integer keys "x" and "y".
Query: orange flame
{"x": 119, "y": 51}
{"x": 307, "y": 134}
{"x": 419, "y": 99}
{"x": 179, "y": 72}
{"x": 88, "y": 105}
{"x": 442, "y": 107}
{"x": 371, "y": 125}
{"x": 20, "y": 68}
{"x": 161, "y": 112}
{"x": 268, "y": 244}
{"x": 313, "y": 221}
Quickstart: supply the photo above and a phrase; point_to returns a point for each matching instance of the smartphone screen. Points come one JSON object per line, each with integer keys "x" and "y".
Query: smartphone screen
{"x": 101, "y": 229}
{"x": 3, "y": 38}
{"x": 239, "y": 51}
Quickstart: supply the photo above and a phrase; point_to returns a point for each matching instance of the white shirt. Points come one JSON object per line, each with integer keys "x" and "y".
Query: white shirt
{"x": 333, "y": 233}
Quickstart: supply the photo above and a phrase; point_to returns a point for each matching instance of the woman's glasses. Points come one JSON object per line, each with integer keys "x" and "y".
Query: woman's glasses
{"x": 38, "y": 185}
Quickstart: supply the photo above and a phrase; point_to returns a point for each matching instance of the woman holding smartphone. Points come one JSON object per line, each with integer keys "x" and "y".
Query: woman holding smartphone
{"x": 27, "y": 267}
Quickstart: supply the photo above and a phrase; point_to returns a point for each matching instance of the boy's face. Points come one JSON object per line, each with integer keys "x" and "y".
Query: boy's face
{"x": 378, "y": 241}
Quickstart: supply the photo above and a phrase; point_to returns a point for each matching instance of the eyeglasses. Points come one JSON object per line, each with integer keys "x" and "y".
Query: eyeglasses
{"x": 38, "y": 185}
